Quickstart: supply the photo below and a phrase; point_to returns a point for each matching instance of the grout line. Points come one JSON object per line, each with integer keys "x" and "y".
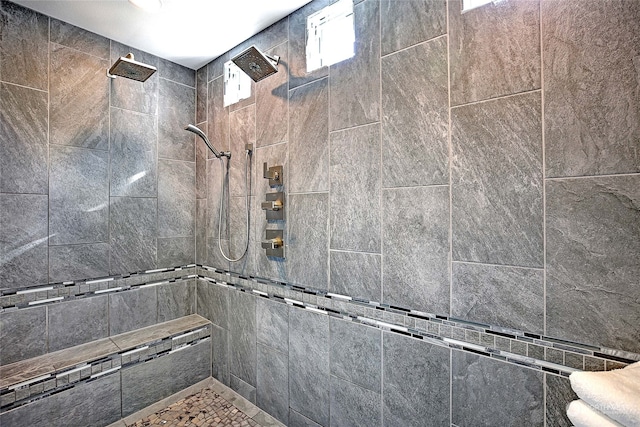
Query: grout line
{"x": 450, "y": 164}
{"x": 497, "y": 265}
{"x": 377, "y": 122}
{"x": 178, "y": 83}
{"x": 482, "y": 101}
{"x": 48, "y": 157}
{"x": 354, "y": 252}
{"x": 402, "y": 187}
{"x": 311, "y": 82}
{"x": 381, "y": 166}
{"x": 386, "y": 55}
{"x": 565, "y": 178}
{"x": 544, "y": 189}
{"x": 32, "y": 88}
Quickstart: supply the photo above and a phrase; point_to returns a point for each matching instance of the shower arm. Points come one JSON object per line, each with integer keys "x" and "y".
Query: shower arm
{"x": 197, "y": 131}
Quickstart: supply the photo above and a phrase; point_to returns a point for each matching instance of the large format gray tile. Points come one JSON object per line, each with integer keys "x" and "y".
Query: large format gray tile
{"x": 482, "y": 68}
{"x": 593, "y": 260}
{"x": 132, "y": 309}
{"x": 356, "y": 353}
{"x": 133, "y": 234}
{"x": 176, "y": 198}
{"x": 174, "y": 251}
{"x": 213, "y": 302}
{"x": 24, "y": 46}
{"x": 78, "y": 196}
{"x": 76, "y": 38}
{"x": 220, "y": 355}
{"x": 242, "y": 336}
{"x": 309, "y": 364}
{"x": 23, "y": 140}
{"x": 74, "y": 262}
{"x": 272, "y": 320}
{"x": 505, "y": 296}
{"x": 201, "y": 166}
{"x": 354, "y": 95}
{"x": 201, "y": 95}
{"x": 177, "y": 73}
{"x": 356, "y": 274}
{"x": 558, "y": 394}
{"x": 217, "y": 116}
{"x": 497, "y": 181}
{"x": 242, "y": 129}
{"x": 409, "y": 22}
{"x": 79, "y": 99}
{"x": 241, "y": 233}
{"x": 215, "y": 68}
{"x": 216, "y": 172}
{"x": 130, "y": 94}
{"x": 307, "y": 255}
{"x": 415, "y": 114}
{"x": 355, "y": 189}
{"x": 176, "y": 109}
{"x": 201, "y": 231}
{"x": 272, "y": 382}
{"x": 23, "y": 240}
{"x": 134, "y": 151}
{"x": 298, "y": 420}
{"x": 77, "y": 322}
{"x": 309, "y": 138}
{"x": 95, "y": 403}
{"x": 416, "y": 382}
{"x": 487, "y": 389}
{"x": 272, "y": 103}
{"x": 415, "y": 237}
{"x": 354, "y": 406}
{"x": 592, "y": 90}
{"x": 149, "y": 382}
{"x": 176, "y": 300}
{"x": 243, "y": 389}
{"x": 23, "y": 334}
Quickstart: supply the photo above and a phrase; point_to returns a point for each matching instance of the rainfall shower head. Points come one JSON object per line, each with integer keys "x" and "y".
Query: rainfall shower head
{"x": 197, "y": 131}
{"x": 256, "y": 64}
{"x": 127, "y": 67}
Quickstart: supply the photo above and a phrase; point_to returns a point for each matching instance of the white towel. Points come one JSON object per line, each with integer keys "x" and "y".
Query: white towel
{"x": 614, "y": 393}
{"x": 583, "y": 415}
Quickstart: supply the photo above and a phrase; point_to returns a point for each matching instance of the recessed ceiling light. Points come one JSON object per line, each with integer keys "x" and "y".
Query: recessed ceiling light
{"x": 148, "y": 5}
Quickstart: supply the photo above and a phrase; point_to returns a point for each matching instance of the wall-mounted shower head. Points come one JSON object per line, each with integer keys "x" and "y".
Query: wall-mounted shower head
{"x": 197, "y": 131}
{"x": 256, "y": 64}
{"x": 127, "y": 67}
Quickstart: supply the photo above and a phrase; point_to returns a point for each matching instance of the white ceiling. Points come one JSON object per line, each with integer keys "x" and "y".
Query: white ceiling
{"x": 188, "y": 32}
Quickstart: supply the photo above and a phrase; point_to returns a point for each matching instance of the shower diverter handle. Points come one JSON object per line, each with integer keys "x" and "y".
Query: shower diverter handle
{"x": 274, "y": 243}
{"x": 272, "y": 205}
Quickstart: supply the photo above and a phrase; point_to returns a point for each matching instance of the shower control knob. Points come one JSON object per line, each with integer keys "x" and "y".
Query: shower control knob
{"x": 272, "y": 243}
{"x": 273, "y": 174}
{"x": 274, "y": 205}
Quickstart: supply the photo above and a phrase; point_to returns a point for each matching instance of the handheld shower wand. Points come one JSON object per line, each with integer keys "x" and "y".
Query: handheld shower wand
{"x": 197, "y": 131}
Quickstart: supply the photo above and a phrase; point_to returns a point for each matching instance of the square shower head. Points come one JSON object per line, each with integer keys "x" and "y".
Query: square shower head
{"x": 129, "y": 68}
{"x": 256, "y": 64}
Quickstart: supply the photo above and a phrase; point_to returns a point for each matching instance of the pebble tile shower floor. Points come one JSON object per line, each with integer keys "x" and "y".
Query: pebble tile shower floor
{"x": 204, "y": 408}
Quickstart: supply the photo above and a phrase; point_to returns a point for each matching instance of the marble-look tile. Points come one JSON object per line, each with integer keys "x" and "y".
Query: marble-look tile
{"x": 497, "y": 181}
{"x": 593, "y": 260}
{"x": 147, "y": 383}
{"x": 217, "y": 172}
{"x": 131, "y": 94}
{"x": 23, "y": 334}
{"x": 272, "y": 103}
{"x": 309, "y": 138}
{"x": 23, "y": 139}
{"x": 482, "y": 69}
{"x": 132, "y": 309}
{"x": 176, "y": 198}
{"x": 354, "y": 95}
{"x": 272, "y": 320}
{"x": 78, "y": 89}
{"x": 213, "y": 302}
{"x": 175, "y": 251}
{"x": 78, "y": 196}
{"x": 215, "y": 68}
{"x": 354, "y": 406}
{"x": 487, "y": 389}
{"x": 77, "y": 322}
{"x": 176, "y": 109}
{"x": 23, "y": 240}
{"x": 307, "y": 248}
{"x": 242, "y": 128}
{"x": 415, "y": 237}
{"x": 309, "y": 364}
{"x": 592, "y": 89}
{"x": 415, "y": 114}
{"x": 176, "y": 300}
{"x": 240, "y": 235}
{"x": 214, "y": 254}
{"x": 177, "y": 73}
{"x": 220, "y": 355}
{"x": 201, "y": 231}
{"x": 76, "y": 38}
{"x": 415, "y": 382}
{"x": 356, "y": 274}
{"x": 129, "y": 340}
{"x": 243, "y": 389}
{"x": 75, "y": 262}
{"x": 558, "y": 394}
{"x": 355, "y": 189}
{"x": 406, "y": 23}
{"x": 133, "y": 234}
{"x": 356, "y": 353}
{"x": 242, "y": 336}
{"x": 201, "y": 95}
{"x": 134, "y": 149}
{"x": 497, "y": 295}
{"x": 95, "y": 403}
{"x": 217, "y": 116}
{"x": 201, "y": 165}
{"x": 24, "y": 46}
{"x": 298, "y": 420}
{"x": 273, "y": 382}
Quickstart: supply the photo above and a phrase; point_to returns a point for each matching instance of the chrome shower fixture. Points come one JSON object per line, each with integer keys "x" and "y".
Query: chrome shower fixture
{"x": 256, "y": 64}
{"x": 129, "y": 68}
{"x": 197, "y": 131}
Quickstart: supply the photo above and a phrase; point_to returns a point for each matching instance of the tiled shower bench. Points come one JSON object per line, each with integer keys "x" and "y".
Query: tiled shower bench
{"x": 100, "y": 382}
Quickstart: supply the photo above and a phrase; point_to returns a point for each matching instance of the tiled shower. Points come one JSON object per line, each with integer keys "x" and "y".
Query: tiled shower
{"x": 462, "y": 208}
